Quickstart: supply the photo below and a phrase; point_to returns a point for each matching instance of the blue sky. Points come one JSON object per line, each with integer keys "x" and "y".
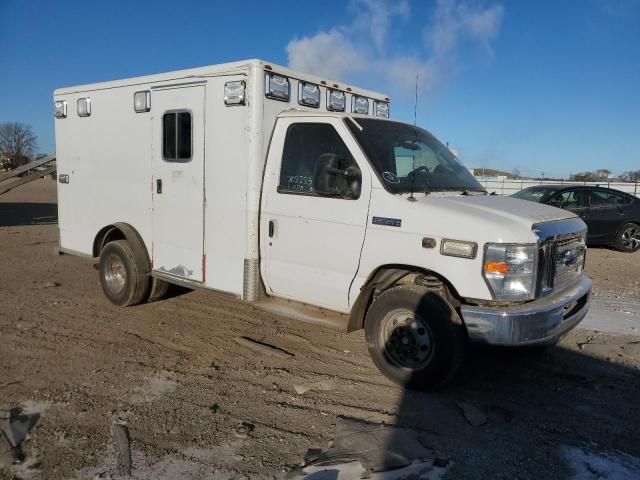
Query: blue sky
{"x": 544, "y": 86}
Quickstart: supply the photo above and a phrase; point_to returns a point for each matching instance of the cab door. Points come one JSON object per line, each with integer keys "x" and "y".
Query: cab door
{"x": 178, "y": 181}
{"x": 312, "y": 224}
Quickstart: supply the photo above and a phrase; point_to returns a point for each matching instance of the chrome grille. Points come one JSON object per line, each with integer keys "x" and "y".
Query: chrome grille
{"x": 568, "y": 260}
{"x": 561, "y": 256}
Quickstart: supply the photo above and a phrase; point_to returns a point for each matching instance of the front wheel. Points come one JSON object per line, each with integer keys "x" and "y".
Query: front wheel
{"x": 415, "y": 337}
{"x": 628, "y": 238}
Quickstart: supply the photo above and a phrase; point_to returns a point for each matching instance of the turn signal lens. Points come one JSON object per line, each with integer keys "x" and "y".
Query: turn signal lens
{"x": 510, "y": 270}
{"x": 496, "y": 267}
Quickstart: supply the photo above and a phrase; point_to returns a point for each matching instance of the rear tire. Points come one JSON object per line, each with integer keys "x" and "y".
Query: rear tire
{"x": 628, "y": 238}
{"x": 158, "y": 290}
{"x": 415, "y": 337}
{"x": 123, "y": 282}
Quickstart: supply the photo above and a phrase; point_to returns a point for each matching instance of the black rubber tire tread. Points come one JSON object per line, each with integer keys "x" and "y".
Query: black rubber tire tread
{"x": 137, "y": 285}
{"x": 158, "y": 289}
{"x": 618, "y": 243}
{"x": 450, "y": 341}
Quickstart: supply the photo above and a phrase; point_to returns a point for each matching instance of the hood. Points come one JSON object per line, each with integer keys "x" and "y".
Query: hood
{"x": 509, "y": 208}
{"x": 481, "y": 218}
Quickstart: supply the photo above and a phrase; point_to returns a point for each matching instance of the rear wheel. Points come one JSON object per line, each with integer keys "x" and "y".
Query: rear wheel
{"x": 628, "y": 238}
{"x": 415, "y": 337}
{"x": 158, "y": 290}
{"x": 122, "y": 280}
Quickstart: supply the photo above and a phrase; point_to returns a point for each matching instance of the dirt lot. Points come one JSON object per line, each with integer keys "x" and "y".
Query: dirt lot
{"x": 198, "y": 403}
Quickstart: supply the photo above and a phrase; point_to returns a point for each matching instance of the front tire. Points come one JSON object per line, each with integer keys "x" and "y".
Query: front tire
{"x": 628, "y": 238}
{"x": 123, "y": 282}
{"x": 415, "y": 337}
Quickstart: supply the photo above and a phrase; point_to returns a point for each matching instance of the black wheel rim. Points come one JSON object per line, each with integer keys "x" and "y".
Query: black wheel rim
{"x": 407, "y": 339}
{"x": 631, "y": 237}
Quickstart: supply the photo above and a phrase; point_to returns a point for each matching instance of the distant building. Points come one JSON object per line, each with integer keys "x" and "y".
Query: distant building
{"x": 491, "y": 174}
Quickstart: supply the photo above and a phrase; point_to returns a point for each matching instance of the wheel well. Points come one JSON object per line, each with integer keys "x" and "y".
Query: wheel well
{"x": 388, "y": 276}
{"x": 104, "y": 236}
{"x": 123, "y": 231}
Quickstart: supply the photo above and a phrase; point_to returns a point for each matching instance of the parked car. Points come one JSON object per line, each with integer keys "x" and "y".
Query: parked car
{"x": 612, "y": 216}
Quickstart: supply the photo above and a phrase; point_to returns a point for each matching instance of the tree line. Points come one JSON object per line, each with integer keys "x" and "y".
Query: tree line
{"x": 604, "y": 175}
{"x": 18, "y": 144}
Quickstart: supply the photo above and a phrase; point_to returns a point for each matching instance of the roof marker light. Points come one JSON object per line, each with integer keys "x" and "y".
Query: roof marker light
{"x": 60, "y": 108}
{"x": 84, "y": 107}
{"x": 360, "y": 104}
{"x": 336, "y": 100}
{"x": 309, "y": 94}
{"x": 277, "y": 87}
{"x": 381, "y": 109}
{"x": 234, "y": 92}
{"x": 142, "y": 101}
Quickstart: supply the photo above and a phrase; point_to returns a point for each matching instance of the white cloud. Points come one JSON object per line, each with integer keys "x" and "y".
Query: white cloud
{"x": 361, "y": 47}
{"x": 374, "y": 17}
{"x": 330, "y": 54}
{"x": 458, "y": 20}
{"x": 402, "y": 72}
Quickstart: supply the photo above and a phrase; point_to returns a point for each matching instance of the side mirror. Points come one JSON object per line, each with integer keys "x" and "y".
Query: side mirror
{"x": 330, "y": 178}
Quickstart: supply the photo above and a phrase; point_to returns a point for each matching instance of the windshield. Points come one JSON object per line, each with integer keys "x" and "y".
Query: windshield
{"x": 410, "y": 159}
{"x": 533, "y": 194}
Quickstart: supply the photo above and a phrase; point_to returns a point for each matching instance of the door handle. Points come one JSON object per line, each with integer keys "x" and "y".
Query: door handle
{"x": 272, "y": 228}
{"x": 159, "y": 185}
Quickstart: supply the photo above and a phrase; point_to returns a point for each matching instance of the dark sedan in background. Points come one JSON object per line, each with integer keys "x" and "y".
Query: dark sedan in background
{"x": 612, "y": 216}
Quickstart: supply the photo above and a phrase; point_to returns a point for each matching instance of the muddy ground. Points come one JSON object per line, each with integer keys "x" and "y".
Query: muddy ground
{"x": 199, "y": 402}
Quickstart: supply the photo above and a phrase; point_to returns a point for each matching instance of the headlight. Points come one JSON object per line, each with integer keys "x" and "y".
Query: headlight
{"x": 510, "y": 270}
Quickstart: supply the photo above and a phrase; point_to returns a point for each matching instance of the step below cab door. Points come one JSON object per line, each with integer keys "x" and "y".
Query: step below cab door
{"x": 315, "y": 204}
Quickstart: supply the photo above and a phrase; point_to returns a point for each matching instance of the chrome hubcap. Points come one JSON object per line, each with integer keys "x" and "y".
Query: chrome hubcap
{"x": 631, "y": 238}
{"x": 407, "y": 339}
{"x": 115, "y": 274}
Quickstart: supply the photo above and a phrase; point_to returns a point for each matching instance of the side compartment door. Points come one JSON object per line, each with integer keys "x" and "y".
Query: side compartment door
{"x": 315, "y": 205}
{"x": 178, "y": 181}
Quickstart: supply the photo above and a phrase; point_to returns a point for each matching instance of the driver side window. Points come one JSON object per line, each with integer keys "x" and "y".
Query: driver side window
{"x": 315, "y": 161}
{"x": 570, "y": 199}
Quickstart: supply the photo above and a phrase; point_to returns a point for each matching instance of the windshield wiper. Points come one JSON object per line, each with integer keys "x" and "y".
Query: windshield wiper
{"x": 471, "y": 192}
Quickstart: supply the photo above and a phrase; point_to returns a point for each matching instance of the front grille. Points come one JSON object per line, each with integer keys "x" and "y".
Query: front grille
{"x": 561, "y": 262}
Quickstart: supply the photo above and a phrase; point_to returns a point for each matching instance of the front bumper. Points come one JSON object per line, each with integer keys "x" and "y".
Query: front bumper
{"x": 538, "y": 322}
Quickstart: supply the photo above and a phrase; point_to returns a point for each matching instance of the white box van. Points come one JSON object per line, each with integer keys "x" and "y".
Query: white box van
{"x": 301, "y": 195}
